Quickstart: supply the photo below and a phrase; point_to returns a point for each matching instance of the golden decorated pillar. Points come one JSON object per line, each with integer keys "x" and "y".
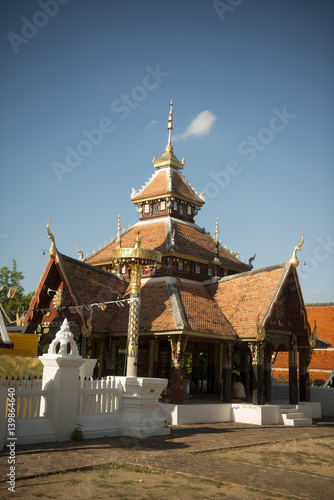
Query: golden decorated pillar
{"x": 134, "y": 258}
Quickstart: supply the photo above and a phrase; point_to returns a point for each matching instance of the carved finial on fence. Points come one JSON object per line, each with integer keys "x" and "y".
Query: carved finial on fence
{"x": 64, "y": 338}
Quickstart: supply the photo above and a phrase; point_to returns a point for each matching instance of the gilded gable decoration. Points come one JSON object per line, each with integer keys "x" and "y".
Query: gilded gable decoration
{"x": 53, "y": 249}
{"x": 294, "y": 261}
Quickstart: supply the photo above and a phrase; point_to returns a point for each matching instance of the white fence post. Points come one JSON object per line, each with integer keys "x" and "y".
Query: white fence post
{"x": 61, "y": 370}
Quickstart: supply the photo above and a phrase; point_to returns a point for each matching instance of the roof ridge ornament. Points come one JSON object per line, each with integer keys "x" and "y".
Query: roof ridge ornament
{"x": 216, "y": 260}
{"x": 169, "y": 146}
{"x": 168, "y": 159}
{"x": 118, "y": 239}
{"x": 294, "y": 261}
{"x": 53, "y": 248}
{"x": 80, "y": 253}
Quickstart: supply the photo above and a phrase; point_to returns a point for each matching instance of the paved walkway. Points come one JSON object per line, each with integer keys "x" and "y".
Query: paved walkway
{"x": 173, "y": 454}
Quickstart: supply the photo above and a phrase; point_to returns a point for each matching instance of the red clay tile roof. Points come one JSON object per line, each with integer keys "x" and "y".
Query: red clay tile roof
{"x": 201, "y": 312}
{"x": 91, "y": 284}
{"x": 153, "y": 237}
{"x": 86, "y": 285}
{"x": 155, "y": 186}
{"x": 324, "y": 316}
{"x": 191, "y": 240}
{"x": 157, "y": 314}
{"x": 155, "y": 311}
{"x": 181, "y": 186}
{"x": 165, "y": 181}
{"x": 243, "y": 296}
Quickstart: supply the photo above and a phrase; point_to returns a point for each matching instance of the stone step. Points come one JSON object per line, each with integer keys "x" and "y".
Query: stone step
{"x": 295, "y": 419}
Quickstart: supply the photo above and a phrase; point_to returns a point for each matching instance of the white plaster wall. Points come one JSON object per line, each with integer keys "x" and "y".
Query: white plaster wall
{"x": 196, "y": 414}
{"x": 100, "y": 425}
{"x": 257, "y": 415}
{"x": 35, "y": 430}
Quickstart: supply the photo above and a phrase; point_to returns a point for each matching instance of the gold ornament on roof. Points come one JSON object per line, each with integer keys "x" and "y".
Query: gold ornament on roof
{"x": 137, "y": 240}
{"x": 260, "y": 331}
{"x": 118, "y": 240}
{"x": 53, "y": 249}
{"x": 168, "y": 159}
{"x": 60, "y": 299}
{"x": 217, "y": 230}
{"x": 86, "y": 330}
{"x": 169, "y": 146}
{"x": 294, "y": 261}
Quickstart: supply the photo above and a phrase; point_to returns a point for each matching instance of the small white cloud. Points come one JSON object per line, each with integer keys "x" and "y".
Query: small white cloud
{"x": 201, "y": 125}
{"x": 153, "y": 122}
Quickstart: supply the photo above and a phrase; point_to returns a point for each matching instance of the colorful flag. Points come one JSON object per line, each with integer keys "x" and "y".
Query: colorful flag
{"x": 11, "y": 292}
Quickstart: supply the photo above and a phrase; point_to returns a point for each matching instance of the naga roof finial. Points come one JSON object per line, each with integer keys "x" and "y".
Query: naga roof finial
{"x": 294, "y": 261}
{"x": 53, "y": 249}
{"x": 169, "y": 146}
{"x": 80, "y": 253}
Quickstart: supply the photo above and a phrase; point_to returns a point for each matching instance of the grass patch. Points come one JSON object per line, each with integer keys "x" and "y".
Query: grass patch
{"x": 74, "y": 481}
{"x": 103, "y": 485}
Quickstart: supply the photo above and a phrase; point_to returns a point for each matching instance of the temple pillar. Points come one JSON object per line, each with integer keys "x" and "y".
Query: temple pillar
{"x": 227, "y": 372}
{"x": 293, "y": 380}
{"x": 113, "y": 357}
{"x": 156, "y": 358}
{"x": 220, "y": 367}
{"x": 178, "y": 345}
{"x": 195, "y": 366}
{"x": 244, "y": 371}
{"x": 268, "y": 352}
{"x": 133, "y": 327}
{"x": 150, "y": 358}
{"x": 258, "y": 376}
{"x": 304, "y": 376}
{"x": 134, "y": 258}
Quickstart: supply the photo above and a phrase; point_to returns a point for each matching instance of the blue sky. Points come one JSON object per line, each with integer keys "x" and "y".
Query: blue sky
{"x": 252, "y": 85}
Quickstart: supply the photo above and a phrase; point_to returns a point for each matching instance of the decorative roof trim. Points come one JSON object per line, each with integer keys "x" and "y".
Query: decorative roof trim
{"x": 176, "y": 305}
{"x": 156, "y": 279}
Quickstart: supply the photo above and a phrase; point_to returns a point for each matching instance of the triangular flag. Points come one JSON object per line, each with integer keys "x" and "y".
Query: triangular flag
{"x": 11, "y": 292}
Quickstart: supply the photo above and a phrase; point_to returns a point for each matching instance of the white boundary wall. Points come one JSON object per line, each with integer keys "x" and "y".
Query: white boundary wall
{"x": 269, "y": 414}
{"x": 51, "y": 408}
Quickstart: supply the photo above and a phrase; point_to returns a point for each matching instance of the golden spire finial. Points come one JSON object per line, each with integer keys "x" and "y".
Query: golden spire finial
{"x": 294, "y": 261}
{"x": 137, "y": 240}
{"x": 118, "y": 239}
{"x": 217, "y": 231}
{"x": 169, "y": 146}
{"x": 53, "y": 249}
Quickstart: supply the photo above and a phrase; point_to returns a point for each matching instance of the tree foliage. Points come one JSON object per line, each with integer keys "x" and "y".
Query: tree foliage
{"x": 13, "y": 278}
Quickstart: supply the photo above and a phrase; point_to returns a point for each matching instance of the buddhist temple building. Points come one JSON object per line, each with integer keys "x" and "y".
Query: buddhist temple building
{"x": 203, "y": 312}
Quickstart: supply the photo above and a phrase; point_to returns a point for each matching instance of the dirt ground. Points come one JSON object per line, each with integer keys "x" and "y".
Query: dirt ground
{"x": 300, "y": 456}
{"x": 122, "y": 483}
{"x": 127, "y": 481}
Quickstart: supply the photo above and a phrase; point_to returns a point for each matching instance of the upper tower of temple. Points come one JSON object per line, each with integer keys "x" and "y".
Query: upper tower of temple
{"x": 167, "y": 192}
{"x": 167, "y": 205}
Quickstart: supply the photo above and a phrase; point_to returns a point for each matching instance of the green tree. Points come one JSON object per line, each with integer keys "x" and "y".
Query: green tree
{"x": 13, "y": 278}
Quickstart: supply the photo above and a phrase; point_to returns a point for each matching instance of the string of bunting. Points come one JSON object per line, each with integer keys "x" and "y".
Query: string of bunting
{"x": 80, "y": 308}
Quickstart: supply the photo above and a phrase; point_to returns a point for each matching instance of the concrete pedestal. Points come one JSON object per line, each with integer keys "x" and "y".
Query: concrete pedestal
{"x": 141, "y": 413}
